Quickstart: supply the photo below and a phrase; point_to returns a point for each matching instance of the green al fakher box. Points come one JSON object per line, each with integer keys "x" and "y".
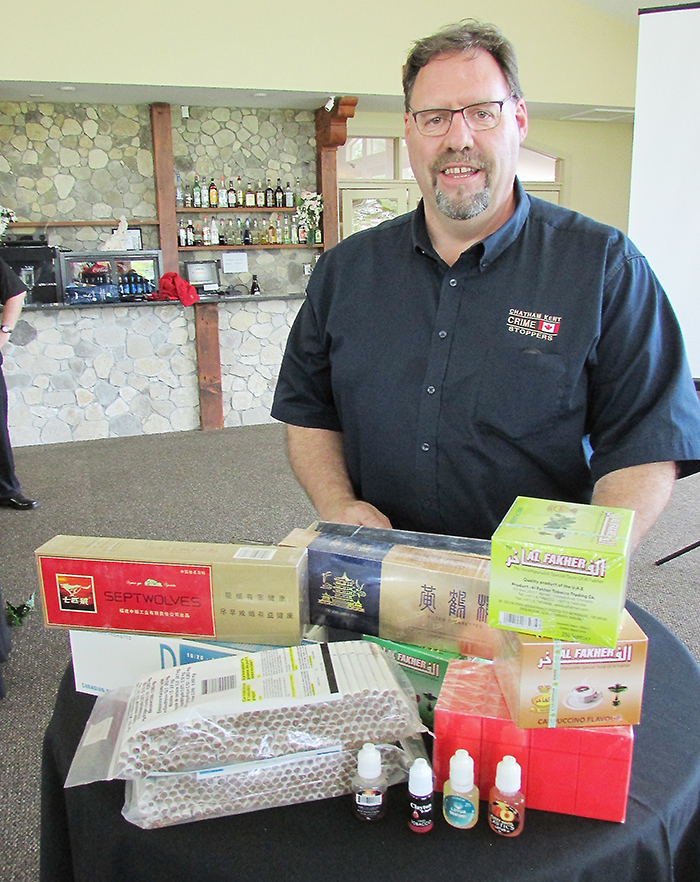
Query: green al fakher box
{"x": 425, "y": 669}
{"x": 559, "y": 570}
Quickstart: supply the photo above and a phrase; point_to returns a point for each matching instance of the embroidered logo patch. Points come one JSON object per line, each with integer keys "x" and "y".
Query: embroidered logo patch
{"x": 533, "y": 324}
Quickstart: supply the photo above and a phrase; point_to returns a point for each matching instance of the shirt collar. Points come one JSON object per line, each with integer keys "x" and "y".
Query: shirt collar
{"x": 492, "y": 246}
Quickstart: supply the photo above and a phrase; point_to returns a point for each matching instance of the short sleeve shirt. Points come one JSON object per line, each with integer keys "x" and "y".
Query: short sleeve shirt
{"x": 544, "y": 358}
{"x": 10, "y": 283}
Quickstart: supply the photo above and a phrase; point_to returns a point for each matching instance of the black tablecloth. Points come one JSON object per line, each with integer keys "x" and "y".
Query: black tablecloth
{"x": 84, "y": 837}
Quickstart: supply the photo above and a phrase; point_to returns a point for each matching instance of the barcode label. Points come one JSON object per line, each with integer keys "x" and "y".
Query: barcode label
{"x": 219, "y": 684}
{"x": 250, "y": 552}
{"x": 511, "y": 620}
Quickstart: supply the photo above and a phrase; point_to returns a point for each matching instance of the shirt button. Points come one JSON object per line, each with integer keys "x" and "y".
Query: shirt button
{"x": 431, "y": 390}
{"x": 453, "y": 282}
{"x": 425, "y": 446}
{"x": 442, "y": 334}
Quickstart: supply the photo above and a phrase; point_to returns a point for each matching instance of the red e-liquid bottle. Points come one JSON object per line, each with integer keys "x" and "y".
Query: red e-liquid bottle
{"x": 506, "y": 801}
{"x": 420, "y": 796}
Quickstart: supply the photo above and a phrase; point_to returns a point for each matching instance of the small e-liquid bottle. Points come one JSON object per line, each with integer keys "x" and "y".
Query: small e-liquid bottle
{"x": 460, "y": 795}
{"x": 506, "y": 801}
{"x": 369, "y": 785}
{"x": 420, "y": 795}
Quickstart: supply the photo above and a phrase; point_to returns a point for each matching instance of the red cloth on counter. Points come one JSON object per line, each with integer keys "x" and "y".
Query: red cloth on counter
{"x": 173, "y": 287}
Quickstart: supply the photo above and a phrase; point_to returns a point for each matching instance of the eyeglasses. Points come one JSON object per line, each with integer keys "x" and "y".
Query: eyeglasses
{"x": 479, "y": 117}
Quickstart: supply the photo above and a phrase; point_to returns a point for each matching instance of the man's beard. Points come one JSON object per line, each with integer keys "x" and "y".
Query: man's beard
{"x": 461, "y": 207}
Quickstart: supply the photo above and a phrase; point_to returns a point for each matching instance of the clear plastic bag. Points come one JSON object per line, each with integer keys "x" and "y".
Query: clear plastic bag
{"x": 251, "y": 708}
{"x": 164, "y": 800}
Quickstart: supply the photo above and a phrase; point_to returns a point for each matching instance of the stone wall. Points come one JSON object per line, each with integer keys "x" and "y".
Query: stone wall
{"x": 96, "y": 372}
{"x": 80, "y": 374}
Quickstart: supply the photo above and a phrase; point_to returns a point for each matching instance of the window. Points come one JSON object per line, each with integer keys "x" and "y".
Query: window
{"x": 376, "y": 182}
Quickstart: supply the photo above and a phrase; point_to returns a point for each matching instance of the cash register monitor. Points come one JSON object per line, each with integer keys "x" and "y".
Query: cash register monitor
{"x": 203, "y": 274}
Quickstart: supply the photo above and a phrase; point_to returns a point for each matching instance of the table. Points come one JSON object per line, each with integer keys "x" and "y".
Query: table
{"x": 84, "y": 837}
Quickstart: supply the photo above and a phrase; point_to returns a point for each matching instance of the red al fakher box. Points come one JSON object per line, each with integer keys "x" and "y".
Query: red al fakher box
{"x": 249, "y": 594}
{"x": 582, "y": 771}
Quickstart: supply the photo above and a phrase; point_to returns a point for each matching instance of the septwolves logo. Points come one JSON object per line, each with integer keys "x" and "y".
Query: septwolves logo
{"x": 76, "y": 593}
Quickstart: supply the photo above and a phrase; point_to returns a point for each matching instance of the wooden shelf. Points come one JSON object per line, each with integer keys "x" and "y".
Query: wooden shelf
{"x": 242, "y": 247}
{"x": 133, "y": 222}
{"x": 237, "y": 210}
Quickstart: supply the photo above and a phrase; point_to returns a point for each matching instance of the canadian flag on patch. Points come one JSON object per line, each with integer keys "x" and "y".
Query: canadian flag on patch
{"x": 548, "y": 327}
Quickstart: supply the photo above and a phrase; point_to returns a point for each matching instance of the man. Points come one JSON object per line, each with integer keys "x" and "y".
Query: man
{"x": 12, "y": 293}
{"x": 488, "y": 344}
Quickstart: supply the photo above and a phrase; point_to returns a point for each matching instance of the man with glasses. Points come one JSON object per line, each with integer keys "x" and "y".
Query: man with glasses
{"x": 488, "y": 344}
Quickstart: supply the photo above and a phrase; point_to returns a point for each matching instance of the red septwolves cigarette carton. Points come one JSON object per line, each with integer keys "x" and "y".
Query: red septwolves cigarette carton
{"x": 240, "y": 593}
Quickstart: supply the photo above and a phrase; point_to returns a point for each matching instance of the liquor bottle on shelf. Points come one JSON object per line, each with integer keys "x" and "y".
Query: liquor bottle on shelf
{"x": 179, "y": 193}
{"x": 255, "y": 234}
{"x": 260, "y": 195}
{"x": 269, "y": 195}
{"x": 213, "y": 194}
{"x": 231, "y": 195}
{"x": 182, "y": 234}
{"x": 286, "y": 234}
{"x": 271, "y": 233}
{"x": 294, "y": 230}
{"x": 205, "y": 195}
{"x": 240, "y": 195}
{"x": 297, "y": 192}
{"x": 206, "y": 232}
{"x": 279, "y": 195}
{"x": 302, "y": 233}
{"x": 247, "y": 239}
{"x": 230, "y": 233}
{"x": 197, "y": 235}
{"x": 289, "y": 196}
{"x": 278, "y": 230}
{"x": 190, "y": 232}
{"x": 214, "y": 235}
{"x": 188, "y": 196}
{"x": 223, "y": 194}
{"x": 196, "y": 193}
{"x": 250, "y": 196}
{"x": 263, "y": 233}
{"x": 239, "y": 231}
{"x": 254, "y": 286}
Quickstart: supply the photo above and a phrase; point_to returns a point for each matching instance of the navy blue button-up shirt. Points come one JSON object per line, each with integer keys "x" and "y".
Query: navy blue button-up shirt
{"x": 545, "y": 357}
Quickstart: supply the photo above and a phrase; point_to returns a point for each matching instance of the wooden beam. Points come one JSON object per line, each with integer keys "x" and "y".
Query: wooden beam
{"x": 163, "y": 165}
{"x": 331, "y": 133}
{"x": 206, "y": 323}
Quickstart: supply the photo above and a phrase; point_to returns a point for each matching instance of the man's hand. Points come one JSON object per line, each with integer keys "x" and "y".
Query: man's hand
{"x": 361, "y": 513}
{"x": 318, "y": 461}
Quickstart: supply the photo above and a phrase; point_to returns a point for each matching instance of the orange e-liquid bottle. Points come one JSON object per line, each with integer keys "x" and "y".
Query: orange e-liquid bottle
{"x": 506, "y": 800}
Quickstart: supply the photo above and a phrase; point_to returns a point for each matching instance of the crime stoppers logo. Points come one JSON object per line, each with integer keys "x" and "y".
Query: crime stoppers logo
{"x": 76, "y": 593}
{"x": 533, "y": 324}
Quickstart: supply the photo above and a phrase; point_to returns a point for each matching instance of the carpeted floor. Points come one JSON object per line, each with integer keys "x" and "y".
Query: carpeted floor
{"x": 202, "y": 486}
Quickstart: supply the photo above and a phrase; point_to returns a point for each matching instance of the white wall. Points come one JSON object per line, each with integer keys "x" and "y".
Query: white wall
{"x": 665, "y": 190}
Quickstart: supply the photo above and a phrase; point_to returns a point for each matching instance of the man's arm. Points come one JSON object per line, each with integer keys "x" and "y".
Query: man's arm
{"x": 644, "y": 488}
{"x": 318, "y": 461}
{"x": 10, "y": 314}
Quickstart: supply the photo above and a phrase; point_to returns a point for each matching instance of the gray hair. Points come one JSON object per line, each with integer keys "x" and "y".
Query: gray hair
{"x": 464, "y": 36}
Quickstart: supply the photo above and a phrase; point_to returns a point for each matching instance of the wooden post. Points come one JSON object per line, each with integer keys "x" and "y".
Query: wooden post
{"x": 331, "y": 133}
{"x": 206, "y": 323}
{"x": 163, "y": 165}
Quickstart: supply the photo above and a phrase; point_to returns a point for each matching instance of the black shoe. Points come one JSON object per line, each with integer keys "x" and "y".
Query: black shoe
{"x": 21, "y": 503}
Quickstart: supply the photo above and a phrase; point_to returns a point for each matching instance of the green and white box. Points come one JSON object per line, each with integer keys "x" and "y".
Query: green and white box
{"x": 559, "y": 570}
{"x": 425, "y": 669}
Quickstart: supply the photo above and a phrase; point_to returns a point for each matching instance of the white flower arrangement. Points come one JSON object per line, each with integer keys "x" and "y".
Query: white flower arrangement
{"x": 7, "y": 216}
{"x": 310, "y": 209}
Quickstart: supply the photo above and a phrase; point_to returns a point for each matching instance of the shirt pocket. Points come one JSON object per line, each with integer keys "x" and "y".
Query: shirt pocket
{"x": 521, "y": 391}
